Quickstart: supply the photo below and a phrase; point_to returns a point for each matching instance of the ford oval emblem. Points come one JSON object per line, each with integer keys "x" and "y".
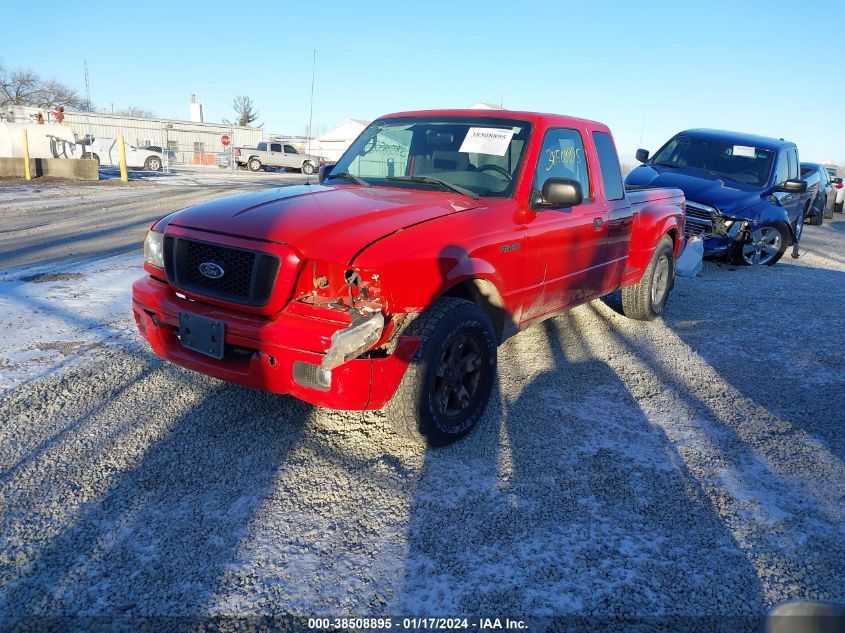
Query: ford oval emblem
{"x": 212, "y": 270}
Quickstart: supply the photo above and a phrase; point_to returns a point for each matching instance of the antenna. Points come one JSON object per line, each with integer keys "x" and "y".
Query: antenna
{"x": 311, "y": 113}
{"x": 87, "y": 88}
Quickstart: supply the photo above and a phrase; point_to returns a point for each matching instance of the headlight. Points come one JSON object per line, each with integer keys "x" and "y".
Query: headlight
{"x": 154, "y": 249}
{"x": 352, "y": 341}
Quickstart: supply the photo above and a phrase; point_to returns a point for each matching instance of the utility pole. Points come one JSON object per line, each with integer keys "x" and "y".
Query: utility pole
{"x": 311, "y": 113}
{"x": 87, "y": 88}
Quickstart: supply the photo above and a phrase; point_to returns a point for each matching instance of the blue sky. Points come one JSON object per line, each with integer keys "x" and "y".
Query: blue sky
{"x": 647, "y": 69}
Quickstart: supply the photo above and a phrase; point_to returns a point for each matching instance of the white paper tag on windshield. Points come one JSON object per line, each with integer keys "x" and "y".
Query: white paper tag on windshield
{"x": 487, "y": 140}
{"x": 744, "y": 150}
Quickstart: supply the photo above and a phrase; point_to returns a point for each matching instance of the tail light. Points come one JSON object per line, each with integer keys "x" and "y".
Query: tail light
{"x": 838, "y": 185}
{"x": 238, "y": 151}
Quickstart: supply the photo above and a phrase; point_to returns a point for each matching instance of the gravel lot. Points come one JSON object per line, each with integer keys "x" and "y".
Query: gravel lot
{"x": 690, "y": 466}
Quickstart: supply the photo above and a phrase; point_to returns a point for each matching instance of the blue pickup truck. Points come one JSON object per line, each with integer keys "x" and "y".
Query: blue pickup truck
{"x": 744, "y": 192}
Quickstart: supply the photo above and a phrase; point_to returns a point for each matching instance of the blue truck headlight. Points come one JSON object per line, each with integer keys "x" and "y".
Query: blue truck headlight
{"x": 350, "y": 342}
{"x": 154, "y": 249}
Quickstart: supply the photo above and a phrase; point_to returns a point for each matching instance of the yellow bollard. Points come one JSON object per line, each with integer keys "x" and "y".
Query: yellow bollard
{"x": 121, "y": 154}
{"x": 27, "y": 173}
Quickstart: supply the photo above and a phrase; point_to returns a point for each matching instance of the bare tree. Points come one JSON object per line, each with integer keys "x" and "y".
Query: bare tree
{"x": 137, "y": 112}
{"x": 245, "y": 109}
{"x": 54, "y": 93}
{"x": 18, "y": 88}
{"x": 26, "y": 88}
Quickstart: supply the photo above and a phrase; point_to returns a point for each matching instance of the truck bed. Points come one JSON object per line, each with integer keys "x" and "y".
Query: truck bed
{"x": 638, "y": 195}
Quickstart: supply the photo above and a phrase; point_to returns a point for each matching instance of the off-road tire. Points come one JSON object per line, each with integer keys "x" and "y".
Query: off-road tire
{"x": 413, "y": 412}
{"x": 254, "y": 164}
{"x": 637, "y": 302}
{"x": 307, "y": 169}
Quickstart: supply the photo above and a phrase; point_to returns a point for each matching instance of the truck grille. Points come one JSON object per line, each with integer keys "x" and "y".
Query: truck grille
{"x": 248, "y": 276}
{"x": 700, "y": 220}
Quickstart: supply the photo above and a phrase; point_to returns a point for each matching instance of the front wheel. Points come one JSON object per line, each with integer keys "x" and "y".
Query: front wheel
{"x": 446, "y": 387}
{"x": 645, "y": 300}
{"x": 307, "y": 169}
{"x": 764, "y": 246}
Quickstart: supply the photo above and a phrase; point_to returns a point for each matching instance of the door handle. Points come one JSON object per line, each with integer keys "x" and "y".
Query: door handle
{"x": 597, "y": 223}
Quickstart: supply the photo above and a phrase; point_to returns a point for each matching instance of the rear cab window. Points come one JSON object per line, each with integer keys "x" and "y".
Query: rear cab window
{"x": 611, "y": 172}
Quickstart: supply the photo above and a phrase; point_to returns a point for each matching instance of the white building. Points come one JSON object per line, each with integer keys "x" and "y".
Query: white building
{"x": 483, "y": 105}
{"x": 192, "y": 142}
{"x": 333, "y": 143}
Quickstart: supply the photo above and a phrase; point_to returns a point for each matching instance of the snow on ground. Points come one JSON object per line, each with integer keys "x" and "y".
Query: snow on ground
{"x": 49, "y": 316}
{"x": 692, "y": 466}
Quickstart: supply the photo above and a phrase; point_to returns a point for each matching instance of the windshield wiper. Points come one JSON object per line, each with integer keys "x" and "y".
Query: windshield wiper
{"x": 347, "y": 176}
{"x": 436, "y": 181}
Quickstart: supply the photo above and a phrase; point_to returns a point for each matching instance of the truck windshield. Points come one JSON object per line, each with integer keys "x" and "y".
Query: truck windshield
{"x": 740, "y": 163}
{"x": 480, "y": 154}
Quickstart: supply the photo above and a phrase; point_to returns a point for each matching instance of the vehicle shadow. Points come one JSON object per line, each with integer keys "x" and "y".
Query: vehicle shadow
{"x": 787, "y": 360}
{"x": 567, "y": 500}
{"x": 176, "y": 505}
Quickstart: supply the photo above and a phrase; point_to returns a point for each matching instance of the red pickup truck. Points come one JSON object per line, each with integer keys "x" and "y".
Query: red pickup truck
{"x": 390, "y": 283}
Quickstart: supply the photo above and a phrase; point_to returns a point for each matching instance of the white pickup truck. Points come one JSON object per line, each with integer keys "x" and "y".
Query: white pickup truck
{"x": 275, "y": 154}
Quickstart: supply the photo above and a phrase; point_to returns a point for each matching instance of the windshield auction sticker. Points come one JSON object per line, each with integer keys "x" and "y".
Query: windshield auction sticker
{"x": 487, "y": 140}
{"x": 744, "y": 150}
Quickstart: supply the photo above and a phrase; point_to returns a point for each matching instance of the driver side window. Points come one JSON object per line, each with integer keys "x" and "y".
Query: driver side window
{"x": 782, "y": 169}
{"x": 563, "y": 156}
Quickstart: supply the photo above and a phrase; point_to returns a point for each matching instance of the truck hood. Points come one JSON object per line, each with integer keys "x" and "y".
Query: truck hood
{"x": 331, "y": 223}
{"x": 731, "y": 198}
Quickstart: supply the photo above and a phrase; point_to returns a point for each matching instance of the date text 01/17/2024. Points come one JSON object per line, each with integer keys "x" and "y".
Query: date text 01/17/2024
{"x": 417, "y": 624}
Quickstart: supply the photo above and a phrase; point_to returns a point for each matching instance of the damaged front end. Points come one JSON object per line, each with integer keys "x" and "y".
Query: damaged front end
{"x": 350, "y": 295}
{"x": 719, "y": 232}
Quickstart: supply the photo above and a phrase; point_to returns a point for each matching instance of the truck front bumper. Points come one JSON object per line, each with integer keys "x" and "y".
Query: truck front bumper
{"x": 268, "y": 354}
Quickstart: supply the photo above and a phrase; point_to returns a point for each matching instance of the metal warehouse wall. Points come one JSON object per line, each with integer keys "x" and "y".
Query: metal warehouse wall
{"x": 187, "y": 135}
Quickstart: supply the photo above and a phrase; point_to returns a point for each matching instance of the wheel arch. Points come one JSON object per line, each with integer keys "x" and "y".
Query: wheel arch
{"x": 484, "y": 294}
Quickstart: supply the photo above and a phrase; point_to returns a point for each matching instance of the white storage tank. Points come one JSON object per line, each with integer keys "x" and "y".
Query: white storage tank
{"x": 45, "y": 141}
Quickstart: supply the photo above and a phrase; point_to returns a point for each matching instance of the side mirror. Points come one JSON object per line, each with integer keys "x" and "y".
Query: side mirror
{"x": 560, "y": 192}
{"x": 642, "y": 155}
{"x": 324, "y": 172}
{"x": 792, "y": 186}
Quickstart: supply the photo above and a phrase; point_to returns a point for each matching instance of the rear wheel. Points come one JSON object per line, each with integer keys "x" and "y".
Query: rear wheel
{"x": 828, "y": 215}
{"x": 254, "y": 164}
{"x": 153, "y": 163}
{"x": 447, "y": 385}
{"x": 90, "y": 156}
{"x": 307, "y": 169}
{"x": 812, "y": 218}
{"x": 645, "y": 301}
{"x": 837, "y": 208}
